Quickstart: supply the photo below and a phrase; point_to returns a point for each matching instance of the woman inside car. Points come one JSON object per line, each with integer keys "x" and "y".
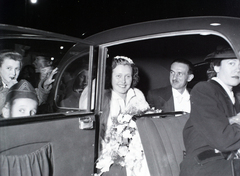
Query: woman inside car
{"x": 121, "y": 152}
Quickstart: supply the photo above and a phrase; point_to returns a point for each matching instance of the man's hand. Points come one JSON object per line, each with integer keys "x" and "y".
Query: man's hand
{"x": 235, "y": 119}
{"x": 50, "y": 79}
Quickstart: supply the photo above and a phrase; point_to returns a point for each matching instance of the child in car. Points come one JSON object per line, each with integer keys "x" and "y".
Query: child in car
{"x": 21, "y": 101}
{"x": 10, "y": 66}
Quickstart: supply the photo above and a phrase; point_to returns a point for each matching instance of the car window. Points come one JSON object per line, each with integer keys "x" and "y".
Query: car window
{"x": 154, "y": 56}
{"x": 77, "y": 81}
{"x": 43, "y": 55}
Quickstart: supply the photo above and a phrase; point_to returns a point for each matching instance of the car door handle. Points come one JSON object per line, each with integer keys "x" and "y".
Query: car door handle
{"x": 86, "y": 123}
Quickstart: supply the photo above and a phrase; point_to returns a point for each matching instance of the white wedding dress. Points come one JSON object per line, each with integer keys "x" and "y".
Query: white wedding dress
{"x": 134, "y": 98}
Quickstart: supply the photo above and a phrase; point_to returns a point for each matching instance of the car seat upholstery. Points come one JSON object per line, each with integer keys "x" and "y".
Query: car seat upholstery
{"x": 163, "y": 143}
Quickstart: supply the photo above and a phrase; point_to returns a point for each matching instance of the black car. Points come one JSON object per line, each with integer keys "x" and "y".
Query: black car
{"x": 64, "y": 133}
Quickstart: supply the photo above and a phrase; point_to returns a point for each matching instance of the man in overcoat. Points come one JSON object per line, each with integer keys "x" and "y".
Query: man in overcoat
{"x": 210, "y": 137}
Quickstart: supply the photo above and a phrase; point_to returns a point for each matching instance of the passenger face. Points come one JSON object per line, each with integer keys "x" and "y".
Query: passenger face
{"x": 122, "y": 79}
{"x": 179, "y": 76}
{"x": 45, "y": 71}
{"x": 229, "y": 72}
{"x": 42, "y": 66}
{"x": 23, "y": 107}
{"x": 9, "y": 70}
{"x": 39, "y": 63}
{"x": 83, "y": 77}
{"x": 83, "y": 80}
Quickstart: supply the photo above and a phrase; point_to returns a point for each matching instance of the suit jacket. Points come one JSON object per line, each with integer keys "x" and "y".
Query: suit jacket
{"x": 161, "y": 98}
{"x": 208, "y": 128}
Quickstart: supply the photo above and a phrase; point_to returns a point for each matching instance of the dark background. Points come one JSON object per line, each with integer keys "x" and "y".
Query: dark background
{"x": 81, "y": 18}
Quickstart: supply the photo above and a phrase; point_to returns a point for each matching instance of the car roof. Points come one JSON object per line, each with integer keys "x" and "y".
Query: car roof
{"x": 226, "y": 27}
{"x": 10, "y": 31}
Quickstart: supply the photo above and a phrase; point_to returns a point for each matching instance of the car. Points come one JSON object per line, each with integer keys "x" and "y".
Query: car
{"x": 64, "y": 133}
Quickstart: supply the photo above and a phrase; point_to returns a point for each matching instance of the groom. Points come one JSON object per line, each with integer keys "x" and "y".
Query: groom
{"x": 174, "y": 97}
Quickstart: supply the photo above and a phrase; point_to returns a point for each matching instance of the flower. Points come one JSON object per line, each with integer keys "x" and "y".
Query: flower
{"x": 122, "y": 151}
{"x": 122, "y": 144}
{"x": 124, "y": 118}
{"x": 127, "y": 134}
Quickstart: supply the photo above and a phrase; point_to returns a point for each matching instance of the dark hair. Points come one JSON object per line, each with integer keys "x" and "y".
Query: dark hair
{"x": 42, "y": 61}
{"x": 211, "y": 72}
{"x": 121, "y": 60}
{"x": 11, "y": 55}
{"x": 186, "y": 62}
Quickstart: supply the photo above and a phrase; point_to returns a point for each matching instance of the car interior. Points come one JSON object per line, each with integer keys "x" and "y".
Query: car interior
{"x": 161, "y": 134}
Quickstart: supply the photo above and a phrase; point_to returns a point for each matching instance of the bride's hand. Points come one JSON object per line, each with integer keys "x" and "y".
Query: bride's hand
{"x": 153, "y": 110}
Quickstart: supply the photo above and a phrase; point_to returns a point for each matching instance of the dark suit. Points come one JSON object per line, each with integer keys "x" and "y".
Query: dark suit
{"x": 207, "y": 129}
{"x": 161, "y": 98}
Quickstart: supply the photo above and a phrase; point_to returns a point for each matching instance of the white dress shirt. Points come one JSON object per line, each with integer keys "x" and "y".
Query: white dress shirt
{"x": 4, "y": 85}
{"x": 181, "y": 101}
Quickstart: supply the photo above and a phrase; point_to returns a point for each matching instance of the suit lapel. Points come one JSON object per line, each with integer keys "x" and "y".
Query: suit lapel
{"x": 237, "y": 105}
{"x": 230, "y": 106}
{"x": 169, "y": 105}
{"x": 166, "y": 99}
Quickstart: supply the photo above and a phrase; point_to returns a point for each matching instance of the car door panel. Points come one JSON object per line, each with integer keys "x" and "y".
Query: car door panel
{"x": 163, "y": 143}
{"x": 72, "y": 149}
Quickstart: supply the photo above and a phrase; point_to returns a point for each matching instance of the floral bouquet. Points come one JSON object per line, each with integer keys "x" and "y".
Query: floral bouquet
{"x": 122, "y": 144}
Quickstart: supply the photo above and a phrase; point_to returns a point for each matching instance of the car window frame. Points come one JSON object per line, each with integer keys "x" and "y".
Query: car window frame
{"x": 103, "y": 50}
{"x": 34, "y": 34}
{"x": 90, "y": 75}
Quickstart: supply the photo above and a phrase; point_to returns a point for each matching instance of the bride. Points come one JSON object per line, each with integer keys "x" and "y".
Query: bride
{"x": 121, "y": 152}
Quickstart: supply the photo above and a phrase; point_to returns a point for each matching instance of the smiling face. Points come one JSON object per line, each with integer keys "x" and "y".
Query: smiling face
{"x": 179, "y": 76}
{"x": 23, "y": 107}
{"x": 122, "y": 79}
{"x": 9, "y": 70}
{"x": 229, "y": 72}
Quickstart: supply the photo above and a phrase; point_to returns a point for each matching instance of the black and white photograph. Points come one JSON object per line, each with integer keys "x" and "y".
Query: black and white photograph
{"x": 119, "y": 88}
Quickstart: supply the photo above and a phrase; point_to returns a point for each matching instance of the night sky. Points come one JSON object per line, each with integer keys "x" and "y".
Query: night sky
{"x": 81, "y": 18}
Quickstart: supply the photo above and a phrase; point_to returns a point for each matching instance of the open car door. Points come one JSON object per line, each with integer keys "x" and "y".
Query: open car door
{"x": 59, "y": 140}
{"x": 163, "y": 132}
{"x": 57, "y": 147}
